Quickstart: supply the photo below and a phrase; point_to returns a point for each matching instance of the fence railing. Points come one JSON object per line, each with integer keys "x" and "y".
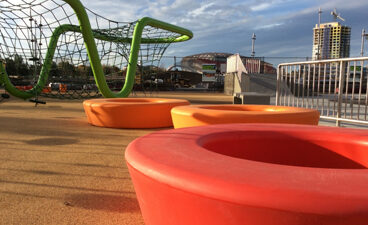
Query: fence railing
{"x": 336, "y": 87}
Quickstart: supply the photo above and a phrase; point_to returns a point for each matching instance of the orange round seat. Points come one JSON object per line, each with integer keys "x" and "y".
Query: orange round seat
{"x": 131, "y": 112}
{"x": 258, "y": 174}
{"x": 200, "y": 115}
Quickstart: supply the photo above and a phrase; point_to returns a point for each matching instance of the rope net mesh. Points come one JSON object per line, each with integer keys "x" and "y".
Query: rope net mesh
{"x": 26, "y": 27}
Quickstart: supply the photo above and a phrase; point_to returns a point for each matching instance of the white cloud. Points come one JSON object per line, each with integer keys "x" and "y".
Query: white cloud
{"x": 262, "y": 6}
{"x": 201, "y": 10}
{"x": 268, "y": 26}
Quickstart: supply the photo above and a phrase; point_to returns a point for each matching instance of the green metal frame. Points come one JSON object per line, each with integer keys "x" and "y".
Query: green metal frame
{"x": 89, "y": 35}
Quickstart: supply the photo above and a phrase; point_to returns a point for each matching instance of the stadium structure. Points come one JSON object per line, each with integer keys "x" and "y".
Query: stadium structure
{"x": 254, "y": 65}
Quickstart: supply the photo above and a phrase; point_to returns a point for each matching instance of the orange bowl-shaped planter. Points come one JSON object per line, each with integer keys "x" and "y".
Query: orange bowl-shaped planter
{"x": 131, "y": 112}
{"x": 200, "y": 115}
{"x": 258, "y": 174}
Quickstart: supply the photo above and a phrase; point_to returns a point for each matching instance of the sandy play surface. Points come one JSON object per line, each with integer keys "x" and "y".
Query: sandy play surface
{"x": 55, "y": 168}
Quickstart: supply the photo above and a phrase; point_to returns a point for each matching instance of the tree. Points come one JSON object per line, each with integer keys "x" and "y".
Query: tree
{"x": 89, "y": 71}
{"x": 10, "y": 66}
{"x": 108, "y": 70}
{"x": 67, "y": 69}
{"x": 54, "y": 70}
{"x": 17, "y": 66}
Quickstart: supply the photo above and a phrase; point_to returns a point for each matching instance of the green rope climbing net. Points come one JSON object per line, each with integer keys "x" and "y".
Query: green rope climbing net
{"x": 61, "y": 49}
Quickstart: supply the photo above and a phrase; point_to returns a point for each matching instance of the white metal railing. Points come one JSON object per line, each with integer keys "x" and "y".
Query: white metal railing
{"x": 336, "y": 87}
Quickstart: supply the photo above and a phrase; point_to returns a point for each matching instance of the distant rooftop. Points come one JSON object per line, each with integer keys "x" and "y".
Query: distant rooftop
{"x": 330, "y": 24}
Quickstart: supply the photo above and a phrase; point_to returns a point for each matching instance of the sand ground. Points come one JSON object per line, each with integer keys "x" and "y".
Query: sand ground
{"x": 55, "y": 168}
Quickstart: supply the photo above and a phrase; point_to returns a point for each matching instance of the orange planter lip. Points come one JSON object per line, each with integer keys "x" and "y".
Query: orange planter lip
{"x": 132, "y": 101}
{"x": 199, "y": 115}
{"x": 131, "y": 112}
{"x": 178, "y": 159}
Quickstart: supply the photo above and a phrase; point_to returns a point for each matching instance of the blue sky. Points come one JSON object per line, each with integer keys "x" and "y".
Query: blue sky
{"x": 283, "y": 27}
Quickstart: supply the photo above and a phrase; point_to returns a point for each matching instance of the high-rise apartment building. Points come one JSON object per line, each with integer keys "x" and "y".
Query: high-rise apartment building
{"x": 331, "y": 41}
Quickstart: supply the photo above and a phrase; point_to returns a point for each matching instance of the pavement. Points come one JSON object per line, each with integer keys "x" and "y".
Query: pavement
{"x": 55, "y": 168}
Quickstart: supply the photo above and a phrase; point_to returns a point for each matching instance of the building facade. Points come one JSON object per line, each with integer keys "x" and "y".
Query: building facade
{"x": 331, "y": 41}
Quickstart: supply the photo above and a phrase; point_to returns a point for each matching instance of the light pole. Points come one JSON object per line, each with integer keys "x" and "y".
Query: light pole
{"x": 364, "y": 35}
{"x": 319, "y": 33}
{"x": 253, "y": 41}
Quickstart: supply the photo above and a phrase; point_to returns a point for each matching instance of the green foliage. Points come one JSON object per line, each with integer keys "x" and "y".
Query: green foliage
{"x": 66, "y": 69}
{"x": 54, "y": 70}
{"x": 111, "y": 70}
{"x": 11, "y": 68}
{"x": 16, "y": 66}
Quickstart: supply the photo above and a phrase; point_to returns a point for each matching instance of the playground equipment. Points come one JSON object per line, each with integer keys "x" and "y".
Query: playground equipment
{"x": 49, "y": 48}
{"x": 260, "y": 174}
{"x": 131, "y": 112}
{"x": 200, "y": 115}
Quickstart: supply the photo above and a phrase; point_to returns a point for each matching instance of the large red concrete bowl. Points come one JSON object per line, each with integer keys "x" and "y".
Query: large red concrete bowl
{"x": 131, "y": 112}
{"x": 201, "y": 115}
{"x": 258, "y": 174}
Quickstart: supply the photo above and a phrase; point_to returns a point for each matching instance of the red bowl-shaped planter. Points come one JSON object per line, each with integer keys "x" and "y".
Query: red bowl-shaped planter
{"x": 258, "y": 174}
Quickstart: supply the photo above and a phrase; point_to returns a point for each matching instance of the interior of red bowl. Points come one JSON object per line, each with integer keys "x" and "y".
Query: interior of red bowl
{"x": 319, "y": 151}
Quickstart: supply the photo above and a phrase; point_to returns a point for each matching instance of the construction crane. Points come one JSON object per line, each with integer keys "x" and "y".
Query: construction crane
{"x": 336, "y": 16}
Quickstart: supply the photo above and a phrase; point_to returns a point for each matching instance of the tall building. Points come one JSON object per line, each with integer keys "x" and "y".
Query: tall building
{"x": 331, "y": 41}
